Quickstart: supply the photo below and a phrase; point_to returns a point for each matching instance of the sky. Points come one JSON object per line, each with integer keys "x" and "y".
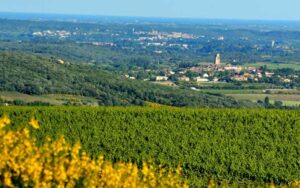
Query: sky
{"x": 220, "y": 9}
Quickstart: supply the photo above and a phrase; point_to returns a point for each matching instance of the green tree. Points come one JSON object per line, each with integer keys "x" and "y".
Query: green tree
{"x": 267, "y": 102}
{"x": 278, "y": 104}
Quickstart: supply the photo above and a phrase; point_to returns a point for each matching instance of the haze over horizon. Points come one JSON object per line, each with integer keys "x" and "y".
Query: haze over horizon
{"x": 215, "y": 9}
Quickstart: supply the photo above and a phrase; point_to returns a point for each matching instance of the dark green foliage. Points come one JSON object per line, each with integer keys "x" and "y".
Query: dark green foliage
{"x": 37, "y": 75}
{"x": 278, "y": 104}
{"x": 267, "y": 102}
{"x": 228, "y": 144}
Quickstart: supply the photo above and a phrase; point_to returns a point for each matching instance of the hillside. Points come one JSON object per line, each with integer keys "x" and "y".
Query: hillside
{"x": 35, "y": 75}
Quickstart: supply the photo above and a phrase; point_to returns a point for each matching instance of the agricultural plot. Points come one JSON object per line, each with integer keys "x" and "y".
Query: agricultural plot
{"x": 289, "y": 100}
{"x": 295, "y": 66}
{"x": 234, "y": 146}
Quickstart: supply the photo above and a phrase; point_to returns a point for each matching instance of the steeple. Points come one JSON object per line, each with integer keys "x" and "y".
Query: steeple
{"x": 218, "y": 59}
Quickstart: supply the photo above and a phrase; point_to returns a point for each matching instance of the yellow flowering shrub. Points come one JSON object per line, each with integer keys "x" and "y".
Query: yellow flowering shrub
{"x": 57, "y": 164}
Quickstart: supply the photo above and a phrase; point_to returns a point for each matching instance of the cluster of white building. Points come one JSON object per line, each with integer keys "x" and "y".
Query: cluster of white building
{"x": 56, "y": 33}
{"x": 166, "y": 35}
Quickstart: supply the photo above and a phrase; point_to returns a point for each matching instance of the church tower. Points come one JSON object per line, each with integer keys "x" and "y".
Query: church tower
{"x": 218, "y": 59}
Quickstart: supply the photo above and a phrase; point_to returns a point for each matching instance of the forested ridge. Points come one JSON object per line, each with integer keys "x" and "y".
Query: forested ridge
{"x": 36, "y": 75}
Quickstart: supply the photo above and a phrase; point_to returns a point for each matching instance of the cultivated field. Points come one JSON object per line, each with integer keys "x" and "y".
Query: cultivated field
{"x": 234, "y": 147}
{"x": 289, "y": 100}
{"x": 295, "y": 65}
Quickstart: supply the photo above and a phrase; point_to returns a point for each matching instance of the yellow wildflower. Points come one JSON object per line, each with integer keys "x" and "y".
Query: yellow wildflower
{"x": 4, "y": 121}
{"x": 272, "y": 185}
{"x": 58, "y": 164}
{"x": 7, "y": 180}
{"x": 211, "y": 183}
{"x": 34, "y": 123}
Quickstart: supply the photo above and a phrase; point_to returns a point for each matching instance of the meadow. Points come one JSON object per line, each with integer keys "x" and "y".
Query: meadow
{"x": 51, "y": 99}
{"x": 287, "y": 99}
{"x": 238, "y": 147}
{"x": 273, "y": 66}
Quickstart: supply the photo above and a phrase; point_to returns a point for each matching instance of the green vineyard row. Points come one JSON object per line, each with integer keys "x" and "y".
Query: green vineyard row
{"x": 232, "y": 145}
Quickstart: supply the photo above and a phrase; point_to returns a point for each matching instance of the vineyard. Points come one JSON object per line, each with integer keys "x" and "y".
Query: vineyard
{"x": 236, "y": 147}
{"x": 57, "y": 164}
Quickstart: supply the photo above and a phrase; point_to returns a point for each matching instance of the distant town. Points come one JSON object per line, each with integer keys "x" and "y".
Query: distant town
{"x": 214, "y": 73}
{"x": 161, "y": 45}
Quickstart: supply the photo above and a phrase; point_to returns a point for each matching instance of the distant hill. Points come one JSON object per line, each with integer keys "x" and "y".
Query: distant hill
{"x": 36, "y": 75}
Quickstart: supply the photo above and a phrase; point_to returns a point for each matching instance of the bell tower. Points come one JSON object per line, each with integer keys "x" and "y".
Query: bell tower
{"x": 218, "y": 59}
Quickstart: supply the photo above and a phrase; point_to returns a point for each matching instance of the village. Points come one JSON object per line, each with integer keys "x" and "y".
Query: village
{"x": 53, "y": 33}
{"x": 219, "y": 72}
{"x": 214, "y": 73}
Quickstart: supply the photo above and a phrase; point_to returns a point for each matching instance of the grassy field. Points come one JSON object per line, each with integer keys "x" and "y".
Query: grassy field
{"x": 53, "y": 99}
{"x": 253, "y": 91}
{"x": 290, "y": 103}
{"x": 234, "y": 91}
{"x": 273, "y": 66}
{"x": 287, "y": 99}
{"x": 224, "y": 85}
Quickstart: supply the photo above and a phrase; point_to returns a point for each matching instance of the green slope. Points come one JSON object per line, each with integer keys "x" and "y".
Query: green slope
{"x": 37, "y": 75}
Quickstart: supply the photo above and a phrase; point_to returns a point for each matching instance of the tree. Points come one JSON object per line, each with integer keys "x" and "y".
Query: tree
{"x": 278, "y": 104}
{"x": 267, "y": 102}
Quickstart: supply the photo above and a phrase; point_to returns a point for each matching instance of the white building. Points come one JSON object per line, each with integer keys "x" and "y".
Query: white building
{"x": 184, "y": 78}
{"x": 199, "y": 79}
{"x": 233, "y": 68}
{"x": 205, "y": 75}
{"x": 161, "y": 78}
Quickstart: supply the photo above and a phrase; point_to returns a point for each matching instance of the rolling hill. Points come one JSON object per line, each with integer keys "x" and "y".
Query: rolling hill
{"x": 36, "y": 75}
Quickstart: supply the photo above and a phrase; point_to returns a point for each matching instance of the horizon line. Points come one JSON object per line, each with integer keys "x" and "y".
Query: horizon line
{"x": 151, "y": 17}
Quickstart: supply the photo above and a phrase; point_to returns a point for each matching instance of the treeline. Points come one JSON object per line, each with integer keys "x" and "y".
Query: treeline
{"x": 35, "y": 75}
{"x": 277, "y": 104}
{"x": 247, "y": 147}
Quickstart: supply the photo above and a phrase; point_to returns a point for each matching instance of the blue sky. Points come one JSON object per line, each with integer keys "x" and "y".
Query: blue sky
{"x": 237, "y": 9}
